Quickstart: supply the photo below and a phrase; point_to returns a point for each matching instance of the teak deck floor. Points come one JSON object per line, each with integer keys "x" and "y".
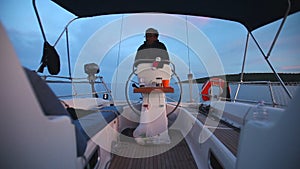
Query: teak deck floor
{"x": 228, "y": 135}
{"x": 166, "y": 156}
{"x": 174, "y": 155}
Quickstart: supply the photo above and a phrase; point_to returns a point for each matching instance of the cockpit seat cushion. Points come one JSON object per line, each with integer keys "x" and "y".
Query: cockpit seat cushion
{"x": 93, "y": 123}
{"x": 50, "y": 104}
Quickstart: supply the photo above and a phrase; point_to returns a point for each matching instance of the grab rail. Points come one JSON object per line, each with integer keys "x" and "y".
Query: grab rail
{"x": 72, "y": 80}
{"x": 274, "y": 101}
{"x": 269, "y": 84}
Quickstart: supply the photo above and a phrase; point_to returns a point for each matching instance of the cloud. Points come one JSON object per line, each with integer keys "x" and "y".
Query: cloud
{"x": 199, "y": 21}
{"x": 291, "y": 67}
{"x": 28, "y": 46}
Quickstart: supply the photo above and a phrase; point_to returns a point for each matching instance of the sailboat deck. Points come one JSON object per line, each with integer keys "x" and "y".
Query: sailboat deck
{"x": 227, "y": 134}
{"x": 168, "y": 156}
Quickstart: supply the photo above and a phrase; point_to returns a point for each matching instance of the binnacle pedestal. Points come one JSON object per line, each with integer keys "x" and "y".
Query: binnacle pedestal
{"x": 153, "y": 127}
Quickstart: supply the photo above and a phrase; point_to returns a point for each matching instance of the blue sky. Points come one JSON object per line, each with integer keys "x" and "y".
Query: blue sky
{"x": 226, "y": 37}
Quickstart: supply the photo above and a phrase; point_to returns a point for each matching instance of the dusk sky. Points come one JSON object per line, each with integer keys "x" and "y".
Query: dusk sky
{"x": 226, "y": 39}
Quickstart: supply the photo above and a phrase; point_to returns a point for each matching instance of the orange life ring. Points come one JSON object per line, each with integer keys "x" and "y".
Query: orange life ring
{"x": 205, "y": 92}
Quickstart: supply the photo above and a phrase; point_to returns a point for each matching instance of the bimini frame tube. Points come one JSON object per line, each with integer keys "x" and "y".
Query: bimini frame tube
{"x": 270, "y": 50}
{"x": 68, "y": 45}
{"x": 243, "y": 67}
{"x": 39, "y": 20}
{"x": 279, "y": 29}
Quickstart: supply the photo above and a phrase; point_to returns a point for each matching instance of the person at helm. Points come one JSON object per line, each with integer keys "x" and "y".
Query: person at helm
{"x": 151, "y": 48}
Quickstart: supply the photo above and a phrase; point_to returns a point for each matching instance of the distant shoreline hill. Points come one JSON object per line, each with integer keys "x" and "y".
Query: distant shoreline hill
{"x": 286, "y": 77}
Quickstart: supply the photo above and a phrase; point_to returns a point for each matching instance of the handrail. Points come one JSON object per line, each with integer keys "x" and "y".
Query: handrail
{"x": 74, "y": 80}
{"x": 247, "y": 101}
{"x": 83, "y": 94}
{"x": 70, "y": 82}
{"x": 66, "y": 77}
{"x": 267, "y": 83}
{"x": 257, "y": 82}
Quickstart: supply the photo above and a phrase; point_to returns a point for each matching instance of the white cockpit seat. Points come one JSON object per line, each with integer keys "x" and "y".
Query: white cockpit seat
{"x": 85, "y": 127}
{"x": 51, "y": 106}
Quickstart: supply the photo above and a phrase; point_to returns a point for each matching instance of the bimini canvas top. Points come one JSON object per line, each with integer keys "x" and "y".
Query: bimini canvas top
{"x": 251, "y": 13}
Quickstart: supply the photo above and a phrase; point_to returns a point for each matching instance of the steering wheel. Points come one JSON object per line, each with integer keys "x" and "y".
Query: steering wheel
{"x": 133, "y": 73}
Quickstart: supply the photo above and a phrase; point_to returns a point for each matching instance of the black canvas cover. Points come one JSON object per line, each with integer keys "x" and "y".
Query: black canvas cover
{"x": 251, "y": 13}
{"x": 50, "y": 60}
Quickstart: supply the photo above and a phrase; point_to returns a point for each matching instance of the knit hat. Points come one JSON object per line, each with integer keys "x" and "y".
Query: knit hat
{"x": 152, "y": 31}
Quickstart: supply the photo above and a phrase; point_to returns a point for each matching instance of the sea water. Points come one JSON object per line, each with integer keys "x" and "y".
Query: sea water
{"x": 247, "y": 92}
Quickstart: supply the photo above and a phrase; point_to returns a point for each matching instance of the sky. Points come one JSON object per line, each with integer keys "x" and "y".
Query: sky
{"x": 196, "y": 42}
